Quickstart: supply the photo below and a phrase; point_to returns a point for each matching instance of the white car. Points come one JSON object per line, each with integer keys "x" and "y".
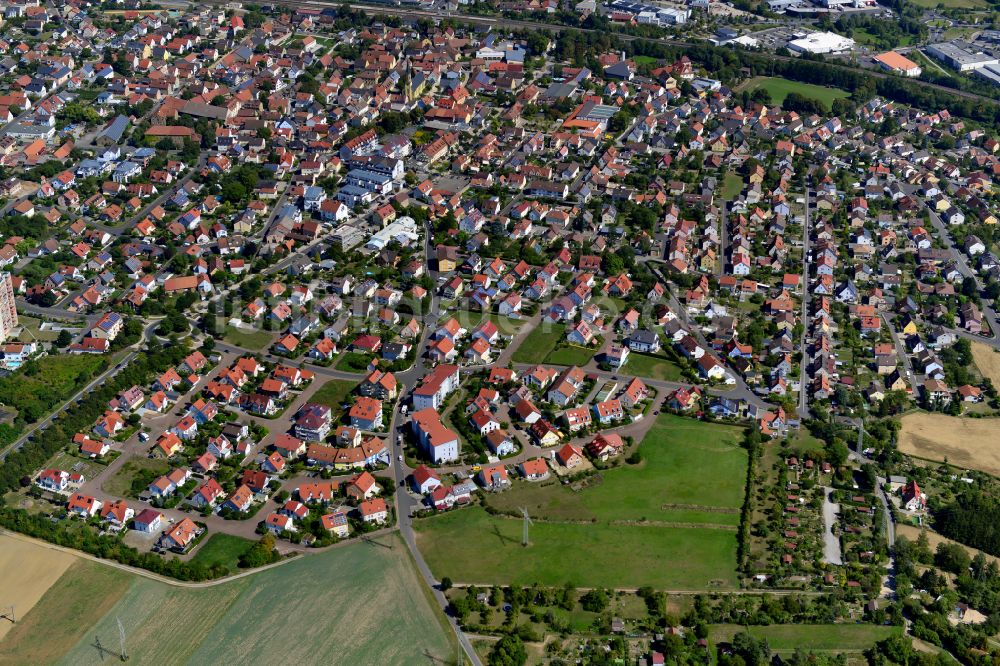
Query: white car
{"x": 399, "y": 458}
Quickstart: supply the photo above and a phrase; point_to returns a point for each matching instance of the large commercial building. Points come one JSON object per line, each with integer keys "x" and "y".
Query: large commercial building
{"x": 960, "y": 56}
{"x": 821, "y": 42}
{"x": 8, "y": 307}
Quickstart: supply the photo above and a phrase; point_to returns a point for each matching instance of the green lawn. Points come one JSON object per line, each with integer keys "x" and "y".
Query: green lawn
{"x": 148, "y": 468}
{"x": 222, "y": 549}
{"x": 469, "y": 319}
{"x": 672, "y": 518}
{"x": 333, "y": 393}
{"x": 830, "y": 637}
{"x": 353, "y": 362}
{"x": 779, "y": 89}
{"x": 253, "y": 340}
{"x": 538, "y": 344}
{"x": 571, "y": 355}
{"x": 350, "y": 595}
{"x": 951, "y": 4}
{"x": 43, "y": 383}
{"x": 31, "y": 330}
{"x": 689, "y": 468}
{"x": 653, "y": 367}
{"x": 471, "y": 546}
{"x": 732, "y": 185}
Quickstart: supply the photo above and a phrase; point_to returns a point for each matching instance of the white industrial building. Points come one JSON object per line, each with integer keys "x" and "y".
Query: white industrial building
{"x": 821, "y": 42}
{"x": 960, "y": 56}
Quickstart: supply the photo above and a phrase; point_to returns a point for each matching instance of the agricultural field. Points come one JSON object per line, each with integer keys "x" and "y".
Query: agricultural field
{"x": 779, "y": 89}
{"x": 819, "y": 638}
{"x": 28, "y": 571}
{"x": 52, "y": 626}
{"x": 471, "y": 546}
{"x": 964, "y": 442}
{"x": 987, "y": 361}
{"x": 333, "y": 393}
{"x": 538, "y": 344}
{"x": 248, "y": 339}
{"x": 681, "y": 503}
{"x": 570, "y": 355}
{"x": 365, "y": 588}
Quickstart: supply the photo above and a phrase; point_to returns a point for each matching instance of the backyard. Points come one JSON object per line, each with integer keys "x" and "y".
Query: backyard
{"x": 653, "y": 367}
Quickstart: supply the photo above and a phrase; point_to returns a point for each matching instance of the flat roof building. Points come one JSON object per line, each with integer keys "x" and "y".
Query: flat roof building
{"x": 821, "y": 42}
{"x": 960, "y": 56}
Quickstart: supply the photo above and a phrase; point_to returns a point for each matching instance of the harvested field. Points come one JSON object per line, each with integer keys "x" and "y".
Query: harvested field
{"x": 27, "y": 570}
{"x": 85, "y": 590}
{"x": 971, "y": 443}
{"x": 988, "y": 362}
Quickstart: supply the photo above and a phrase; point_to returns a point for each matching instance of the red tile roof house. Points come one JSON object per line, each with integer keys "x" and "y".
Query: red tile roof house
{"x": 366, "y": 413}
{"x": 83, "y": 505}
{"x": 336, "y": 522}
{"x": 362, "y": 486}
{"x": 373, "y": 511}
{"x": 180, "y": 536}
{"x": 534, "y": 470}
{"x": 569, "y": 456}
{"x": 117, "y": 514}
{"x": 276, "y": 523}
{"x": 424, "y": 480}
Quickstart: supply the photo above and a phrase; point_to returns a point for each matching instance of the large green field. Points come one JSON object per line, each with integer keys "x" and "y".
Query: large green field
{"x": 333, "y": 607}
{"x": 779, "y": 89}
{"x": 679, "y": 506}
{"x": 691, "y": 472}
{"x": 471, "y": 546}
{"x": 822, "y": 637}
{"x": 538, "y": 344}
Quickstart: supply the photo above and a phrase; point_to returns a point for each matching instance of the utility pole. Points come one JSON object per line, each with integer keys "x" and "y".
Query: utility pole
{"x": 527, "y": 522}
{"x": 121, "y": 639}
